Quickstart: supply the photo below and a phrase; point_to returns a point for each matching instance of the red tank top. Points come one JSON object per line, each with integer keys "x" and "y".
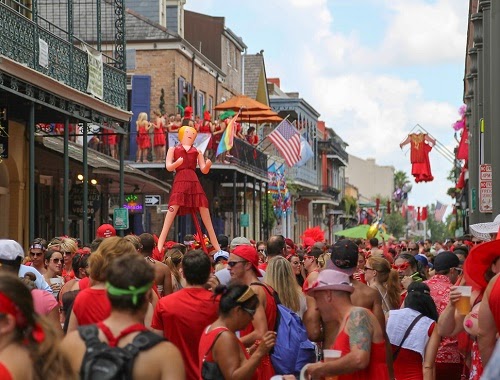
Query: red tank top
{"x": 377, "y": 369}
{"x": 4, "y": 372}
{"x": 494, "y": 302}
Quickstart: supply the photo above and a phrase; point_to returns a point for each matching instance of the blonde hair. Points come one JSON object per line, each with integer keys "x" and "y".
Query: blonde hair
{"x": 173, "y": 258}
{"x": 388, "y": 278}
{"x": 182, "y": 129}
{"x": 279, "y": 275}
{"x": 108, "y": 250}
{"x": 143, "y": 116}
{"x": 68, "y": 245}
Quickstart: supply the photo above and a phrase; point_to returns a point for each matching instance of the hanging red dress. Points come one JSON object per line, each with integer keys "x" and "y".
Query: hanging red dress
{"x": 186, "y": 189}
{"x": 463, "y": 146}
{"x": 419, "y": 157}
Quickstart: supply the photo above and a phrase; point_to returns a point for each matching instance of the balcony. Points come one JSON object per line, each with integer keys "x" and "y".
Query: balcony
{"x": 249, "y": 157}
{"x": 20, "y": 40}
{"x": 334, "y": 150}
{"x": 303, "y": 176}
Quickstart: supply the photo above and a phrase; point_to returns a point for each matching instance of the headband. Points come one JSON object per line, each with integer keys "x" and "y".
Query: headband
{"x": 10, "y": 308}
{"x": 249, "y": 293}
{"x": 37, "y": 246}
{"x": 131, "y": 291}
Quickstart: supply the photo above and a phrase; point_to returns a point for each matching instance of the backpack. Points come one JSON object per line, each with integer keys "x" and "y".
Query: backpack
{"x": 292, "y": 350}
{"x": 103, "y": 362}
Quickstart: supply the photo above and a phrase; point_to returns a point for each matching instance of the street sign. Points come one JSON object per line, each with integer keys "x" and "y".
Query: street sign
{"x": 152, "y": 200}
{"x": 120, "y": 218}
{"x": 485, "y": 188}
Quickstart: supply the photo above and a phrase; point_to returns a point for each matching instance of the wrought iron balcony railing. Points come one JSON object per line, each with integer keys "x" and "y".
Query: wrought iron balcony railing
{"x": 20, "y": 35}
{"x": 249, "y": 157}
{"x": 303, "y": 174}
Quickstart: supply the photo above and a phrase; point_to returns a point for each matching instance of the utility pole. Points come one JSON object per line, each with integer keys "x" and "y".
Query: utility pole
{"x": 494, "y": 99}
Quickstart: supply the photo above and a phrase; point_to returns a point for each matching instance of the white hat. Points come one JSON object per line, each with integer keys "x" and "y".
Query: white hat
{"x": 10, "y": 250}
{"x": 221, "y": 254}
{"x": 330, "y": 279}
{"x": 483, "y": 230}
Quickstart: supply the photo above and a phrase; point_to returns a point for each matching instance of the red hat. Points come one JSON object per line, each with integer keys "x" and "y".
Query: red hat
{"x": 188, "y": 112}
{"x": 479, "y": 261}
{"x": 248, "y": 253}
{"x": 105, "y": 231}
{"x": 207, "y": 116}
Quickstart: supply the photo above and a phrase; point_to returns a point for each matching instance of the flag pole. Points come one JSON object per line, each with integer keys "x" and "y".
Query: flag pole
{"x": 268, "y": 145}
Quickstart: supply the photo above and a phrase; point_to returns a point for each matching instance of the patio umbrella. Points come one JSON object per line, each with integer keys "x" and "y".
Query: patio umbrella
{"x": 242, "y": 102}
{"x": 359, "y": 232}
{"x": 259, "y": 117}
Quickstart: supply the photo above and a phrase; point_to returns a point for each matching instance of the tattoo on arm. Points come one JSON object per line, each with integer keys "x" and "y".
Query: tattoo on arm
{"x": 360, "y": 329}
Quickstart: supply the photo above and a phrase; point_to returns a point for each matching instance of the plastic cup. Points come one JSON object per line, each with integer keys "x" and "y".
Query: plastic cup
{"x": 463, "y": 304}
{"x": 329, "y": 355}
{"x": 55, "y": 280}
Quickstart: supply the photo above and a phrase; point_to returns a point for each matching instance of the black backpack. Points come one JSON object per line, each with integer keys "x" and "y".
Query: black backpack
{"x": 102, "y": 362}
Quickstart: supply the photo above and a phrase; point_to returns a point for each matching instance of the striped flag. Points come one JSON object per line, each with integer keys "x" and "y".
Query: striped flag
{"x": 439, "y": 211}
{"x": 287, "y": 140}
{"x": 227, "y": 139}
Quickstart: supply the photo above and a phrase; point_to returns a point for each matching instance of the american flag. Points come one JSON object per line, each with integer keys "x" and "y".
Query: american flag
{"x": 287, "y": 140}
{"x": 439, "y": 211}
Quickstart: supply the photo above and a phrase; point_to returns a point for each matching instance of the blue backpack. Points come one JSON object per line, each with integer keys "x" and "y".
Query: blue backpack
{"x": 293, "y": 350}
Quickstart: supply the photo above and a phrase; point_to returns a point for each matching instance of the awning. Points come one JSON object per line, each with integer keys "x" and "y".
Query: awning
{"x": 108, "y": 166}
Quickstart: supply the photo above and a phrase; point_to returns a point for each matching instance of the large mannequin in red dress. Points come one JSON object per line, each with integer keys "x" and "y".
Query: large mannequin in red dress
{"x": 421, "y": 145}
{"x": 187, "y": 195}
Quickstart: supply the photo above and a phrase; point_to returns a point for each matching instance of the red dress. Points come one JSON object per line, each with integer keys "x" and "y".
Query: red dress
{"x": 159, "y": 135}
{"x": 143, "y": 139}
{"x": 377, "y": 369}
{"x": 205, "y": 128}
{"x": 494, "y": 302}
{"x": 186, "y": 189}
{"x": 216, "y": 138}
{"x": 207, "y": 340}
{"x": 419, "y": 157}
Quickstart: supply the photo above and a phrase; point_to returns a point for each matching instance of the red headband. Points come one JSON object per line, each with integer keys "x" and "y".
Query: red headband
{"x": 10, "y": 308}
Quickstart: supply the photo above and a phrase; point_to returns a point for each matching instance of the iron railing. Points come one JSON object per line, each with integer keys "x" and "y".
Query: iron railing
{"x": 249, "y": 157}
{"x": 20, "y": 38}
{"x": 303, "y": 174}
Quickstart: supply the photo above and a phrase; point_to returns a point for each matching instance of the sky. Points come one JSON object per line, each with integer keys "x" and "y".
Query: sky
{"x": 373, "y": 69}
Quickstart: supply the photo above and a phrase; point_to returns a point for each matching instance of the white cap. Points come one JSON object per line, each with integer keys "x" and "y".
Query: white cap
{"x": 10, "y": 250}
{"x": 221, "y": 254}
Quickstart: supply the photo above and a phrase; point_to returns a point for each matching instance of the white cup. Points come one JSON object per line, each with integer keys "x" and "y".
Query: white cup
{"x": 331, "y": 354}
{"x": 55, "y": 280}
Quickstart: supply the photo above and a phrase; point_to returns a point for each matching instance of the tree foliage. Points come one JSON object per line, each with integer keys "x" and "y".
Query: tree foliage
{"x": 396, "y": 224}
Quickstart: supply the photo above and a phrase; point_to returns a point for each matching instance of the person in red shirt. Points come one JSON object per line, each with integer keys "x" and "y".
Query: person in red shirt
{"x": 449, "y": 364}
{"x": 181, "y": 317}
{"x": 243, "y": 267}
{"x": 68, "y": 248}
{"x": 361, "y": 338}
{"x": 92, "y": 304}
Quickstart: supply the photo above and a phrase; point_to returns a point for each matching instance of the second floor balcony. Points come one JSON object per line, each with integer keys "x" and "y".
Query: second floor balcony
{"x": 37, "y": 43}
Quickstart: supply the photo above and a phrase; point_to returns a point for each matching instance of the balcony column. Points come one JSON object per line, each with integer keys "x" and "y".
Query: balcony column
{"x": 66, "y": 179}
{"x": 31, "y": 127}
{"x": 85, "y": 201}
{"x": 245, "y": 182}
{"x": 121, "y": 146}
{"x": 266, "y": 231}
{"x": 254, "y": 209}
{"x": 235, "y": 211}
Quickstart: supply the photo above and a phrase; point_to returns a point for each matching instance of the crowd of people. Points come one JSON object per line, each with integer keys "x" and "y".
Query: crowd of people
{"x": 152, "y": 134}
{"x": 387, "y": 309}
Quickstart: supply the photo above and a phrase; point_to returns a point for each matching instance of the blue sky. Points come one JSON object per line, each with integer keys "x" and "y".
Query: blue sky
{"x": 373, "y": 69}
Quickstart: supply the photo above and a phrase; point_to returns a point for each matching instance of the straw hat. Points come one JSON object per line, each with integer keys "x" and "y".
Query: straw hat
{"x": 483, "y": 231}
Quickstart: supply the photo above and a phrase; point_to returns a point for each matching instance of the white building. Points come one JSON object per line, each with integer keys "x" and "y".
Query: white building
{"x": 371, "y": 179}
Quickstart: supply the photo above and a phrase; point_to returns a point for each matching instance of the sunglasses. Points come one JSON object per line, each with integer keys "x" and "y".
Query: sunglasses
{"x": 261, "y": 250}
{"x": 57, "y": 261}
{"x": 366, "y": 268}
{"x": 66, "y": 253}
{"x": 459, "y": 270}
{"x": 231, "y": 264}
{"x": 401, "y": 267}
{"x": 250, "y": 311}
{"x": 36, "y": 254}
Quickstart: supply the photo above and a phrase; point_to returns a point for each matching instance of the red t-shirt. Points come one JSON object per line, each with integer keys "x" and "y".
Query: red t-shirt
{"x": 91, "y": 306}
{"x": 183, "y": 316}
{"x": 4, "y": 372}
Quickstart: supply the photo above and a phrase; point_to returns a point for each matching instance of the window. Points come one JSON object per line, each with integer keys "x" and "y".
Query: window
{"x": 236, "y": 60}
{"x": 210, "y": 105}
{"x": 130, "y": 54}
{"x": 172, "y": 20}
{"x": 228, "y": 53}
{"x": 201, "y": 103}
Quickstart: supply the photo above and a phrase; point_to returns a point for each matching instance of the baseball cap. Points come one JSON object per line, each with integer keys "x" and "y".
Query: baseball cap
{"x": 221, "y": 255}
{"x": 249, "y": 253}
{"x": 344, "y": 257}
{"x": 445, "y": 261}
{"x": 422, "y": 259}
{"x": 10, "y": 251}
{"x": 240, "y": 240}
{"x": 329, "y": 279}
{"x": 105, "y": 231}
